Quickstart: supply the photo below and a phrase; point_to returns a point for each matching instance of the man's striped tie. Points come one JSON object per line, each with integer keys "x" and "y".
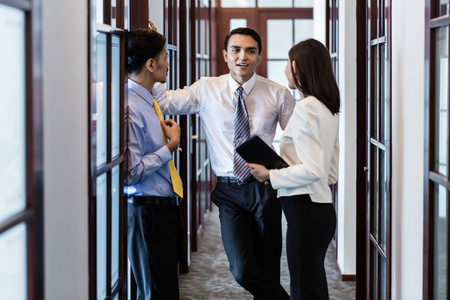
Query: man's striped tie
{"x": 241, "y": 134}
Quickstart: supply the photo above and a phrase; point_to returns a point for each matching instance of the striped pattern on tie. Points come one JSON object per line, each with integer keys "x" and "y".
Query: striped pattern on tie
{"x": 241, "y": 134}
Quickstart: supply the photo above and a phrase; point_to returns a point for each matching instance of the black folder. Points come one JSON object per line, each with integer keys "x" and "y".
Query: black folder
{"x": 255, "y": 150}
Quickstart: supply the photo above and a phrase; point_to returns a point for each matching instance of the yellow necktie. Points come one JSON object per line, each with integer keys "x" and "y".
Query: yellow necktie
{"x": 176, "y": 182}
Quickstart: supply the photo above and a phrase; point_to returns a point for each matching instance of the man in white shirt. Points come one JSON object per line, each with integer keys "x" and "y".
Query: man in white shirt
{"x": 250, "y": 213}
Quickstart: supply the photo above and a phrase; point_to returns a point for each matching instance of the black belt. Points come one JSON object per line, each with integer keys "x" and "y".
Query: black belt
{"x": 234, "y": 180}
{"x": 154, "y": 201}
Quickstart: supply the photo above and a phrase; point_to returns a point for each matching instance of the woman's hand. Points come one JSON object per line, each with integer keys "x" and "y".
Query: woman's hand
{"x": 261, "y": 173}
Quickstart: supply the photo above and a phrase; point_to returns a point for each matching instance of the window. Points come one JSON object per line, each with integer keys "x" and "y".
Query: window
{"x": 437, "y": 187}
{"x": 106, "y": 204}
{"x": 21, "y": 205}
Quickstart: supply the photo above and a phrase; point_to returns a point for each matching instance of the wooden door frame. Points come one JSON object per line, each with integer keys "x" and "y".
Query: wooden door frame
{"x": 361, "y": 149}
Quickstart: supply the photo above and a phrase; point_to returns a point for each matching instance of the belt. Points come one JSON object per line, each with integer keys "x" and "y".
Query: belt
{"x": 154, "y": 201}
{"x": 234, "y": 180}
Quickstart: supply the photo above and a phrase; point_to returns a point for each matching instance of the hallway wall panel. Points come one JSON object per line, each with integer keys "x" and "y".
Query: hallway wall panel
{"x": 65, "y": 149}
{"x": 408, "y": 148}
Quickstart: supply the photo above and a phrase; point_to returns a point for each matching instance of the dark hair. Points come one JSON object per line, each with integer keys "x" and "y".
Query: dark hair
{"x": 314, "y": 73}
{"x": 244, "y": 31}
{"x": 143, "y": 44}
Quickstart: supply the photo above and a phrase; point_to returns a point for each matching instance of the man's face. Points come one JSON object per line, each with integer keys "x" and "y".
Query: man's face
{"x": 242, "y": 57}
{"x": 162, "y": 66}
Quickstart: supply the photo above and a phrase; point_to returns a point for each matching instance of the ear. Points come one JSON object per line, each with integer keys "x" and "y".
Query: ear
{"x": 294, "y": 67}
{"x": 260, "y": 58}
{"x": 150, "y": 64}
{"x": 225, "y": 57}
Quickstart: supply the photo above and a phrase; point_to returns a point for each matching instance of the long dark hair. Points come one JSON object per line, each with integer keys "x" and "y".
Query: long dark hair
{"x": 314, "y": 75}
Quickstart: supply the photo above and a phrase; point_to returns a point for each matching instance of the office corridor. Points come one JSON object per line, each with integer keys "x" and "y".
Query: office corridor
{"x": 210, "y": 279}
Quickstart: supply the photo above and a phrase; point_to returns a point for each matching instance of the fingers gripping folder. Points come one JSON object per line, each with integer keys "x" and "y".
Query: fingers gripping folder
{"x": 255, "y": 150}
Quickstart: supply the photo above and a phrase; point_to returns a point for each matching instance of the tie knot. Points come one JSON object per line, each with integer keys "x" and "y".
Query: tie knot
{"x": 239, "y": 91}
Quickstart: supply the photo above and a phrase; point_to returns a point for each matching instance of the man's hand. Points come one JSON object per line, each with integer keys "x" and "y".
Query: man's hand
{"x": 152, "y": 26}
{"x": 261, "y": 173}
{"x": 173, "y": 132}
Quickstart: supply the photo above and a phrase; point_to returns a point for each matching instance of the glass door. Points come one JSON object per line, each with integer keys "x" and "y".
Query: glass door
{"x": 378, "y": 251}
{"x": 21, "y": 161}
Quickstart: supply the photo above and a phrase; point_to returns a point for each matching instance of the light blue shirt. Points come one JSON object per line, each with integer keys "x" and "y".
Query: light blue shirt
{"x": 148, "y": 169}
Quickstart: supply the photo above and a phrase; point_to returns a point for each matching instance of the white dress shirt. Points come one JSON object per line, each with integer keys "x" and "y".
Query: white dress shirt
{"x": 310, "y": 146}
{"x": 213, "y": 99}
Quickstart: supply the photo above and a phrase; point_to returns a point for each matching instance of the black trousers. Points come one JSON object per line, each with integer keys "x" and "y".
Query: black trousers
{"x": 310, "y": 229}
{"x": 155, "y": 240}
{"x": 250, "y": 218}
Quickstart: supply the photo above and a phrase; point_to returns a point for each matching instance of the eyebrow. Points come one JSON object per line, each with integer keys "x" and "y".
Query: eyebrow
{"x": 239, "y": 47}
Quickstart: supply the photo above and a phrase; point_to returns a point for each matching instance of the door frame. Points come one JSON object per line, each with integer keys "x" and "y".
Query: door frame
{"x": 256, "y": 19}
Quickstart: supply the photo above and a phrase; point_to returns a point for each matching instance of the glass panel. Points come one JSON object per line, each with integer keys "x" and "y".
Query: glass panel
{"x": 202, "y": 37}
{"x": 238, "y": 3}
{"x": 113, "y": 13}
{"x": 101, "y": 236}
{"x": 99, "y": 11}
{"x": 279, "y": 38}
{"x": 443, "y": 8}
{"x": 382, "y": 278}
{"x": 271, "y": 3}
{"x": 304, "y": 29}
{"x": 13, "y": 263}
{"x": 374, "y": 273}
{"x": 115, "y": 96}
{"x": 441, "y": 242}
{"x": 115, "y": 223}
{"x": 12, "y": 112}
{"x": 101, "y": 98}
{"x": 374, "y": 190}
{"x": 383, "y": 92}
{"x": 275, "y": 71}
{"x": 441, "y": 113}
{"x": 303, "y": 3}
{"x": 383, "y": 199}
{"x": 374, "y": 99}
{"x": 126, "y": 16}
{"x": 236, "y": 23}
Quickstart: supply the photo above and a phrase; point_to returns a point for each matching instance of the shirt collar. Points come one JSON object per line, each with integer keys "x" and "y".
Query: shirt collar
{"x": 247, "y": 86}
{"x": 141, "y": 91}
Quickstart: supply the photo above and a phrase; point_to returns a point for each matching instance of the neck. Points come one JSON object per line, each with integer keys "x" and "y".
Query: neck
{"x": 241, "y": 79}
{"x": 143, "y": 80}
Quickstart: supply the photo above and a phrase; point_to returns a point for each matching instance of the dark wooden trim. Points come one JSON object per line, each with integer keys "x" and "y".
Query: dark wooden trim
{"x": 388, "y": 108}
{"x": 138, "y": 14}
{"x": 185, "y": 155}
{"x": 361, "y": 147}
{"x": 23, "y": 216}
{"x": 438, "y": 22}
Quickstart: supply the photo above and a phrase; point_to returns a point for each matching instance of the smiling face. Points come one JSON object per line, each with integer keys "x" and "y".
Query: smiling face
{"x": 242, "y": 57}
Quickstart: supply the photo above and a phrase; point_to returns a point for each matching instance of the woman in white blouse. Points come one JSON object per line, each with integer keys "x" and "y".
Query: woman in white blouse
{"x": 311, "y": 148}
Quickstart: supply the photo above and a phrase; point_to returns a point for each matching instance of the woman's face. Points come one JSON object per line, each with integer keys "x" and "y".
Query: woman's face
{"x": 289, "y": 74}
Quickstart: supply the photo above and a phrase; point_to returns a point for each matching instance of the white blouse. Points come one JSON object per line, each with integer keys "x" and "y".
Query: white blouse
{"x": 310, "y": 146}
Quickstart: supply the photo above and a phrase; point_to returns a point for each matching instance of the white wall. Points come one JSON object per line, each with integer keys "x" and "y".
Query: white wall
{"x": 347, "y": 137}
{"x": 408, "y": 148}
{"x": 65, "y": 149}
{"x": 319, "y": 15}
{"x": 156, "y": 14}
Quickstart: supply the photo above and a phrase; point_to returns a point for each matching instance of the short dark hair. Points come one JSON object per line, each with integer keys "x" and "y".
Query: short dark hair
{"x": 315, "y": 76}
{"x": 143, "y": 44}
{"x": 244, "y": 31}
